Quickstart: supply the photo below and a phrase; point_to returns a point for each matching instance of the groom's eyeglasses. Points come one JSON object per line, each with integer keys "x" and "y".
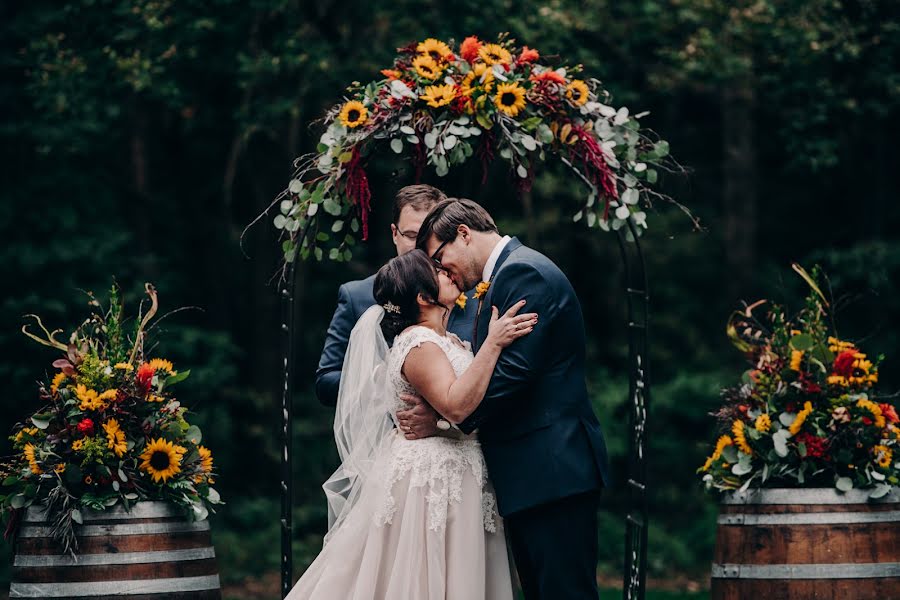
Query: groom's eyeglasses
{"x": 410, "y": 235}
{"x": 436, "y": 256}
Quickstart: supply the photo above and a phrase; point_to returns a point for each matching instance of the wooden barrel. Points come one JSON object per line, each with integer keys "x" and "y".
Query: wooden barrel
{"x": 150, "y": 552}
{"x": 814, "y": 543}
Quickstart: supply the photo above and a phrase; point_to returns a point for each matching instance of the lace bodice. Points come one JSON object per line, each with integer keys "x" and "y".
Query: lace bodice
{"x": 458, "y": 352}
{"x": 439, "y": 463}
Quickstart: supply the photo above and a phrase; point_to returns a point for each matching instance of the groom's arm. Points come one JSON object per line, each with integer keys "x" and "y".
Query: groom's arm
{"x": 519, "y": 363}
{"x": 328, "y": 375}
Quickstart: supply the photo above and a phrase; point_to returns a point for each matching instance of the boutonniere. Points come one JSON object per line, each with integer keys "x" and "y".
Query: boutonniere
{"x": 461, "y": 301}
{"x": 482, "y": 288}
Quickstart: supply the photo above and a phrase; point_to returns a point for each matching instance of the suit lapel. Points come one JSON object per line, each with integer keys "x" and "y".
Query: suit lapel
{"x": 484, "y": 317}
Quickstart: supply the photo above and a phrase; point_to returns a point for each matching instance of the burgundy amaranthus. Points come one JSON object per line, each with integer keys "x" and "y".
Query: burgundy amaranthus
{"x": 358, "y": 191}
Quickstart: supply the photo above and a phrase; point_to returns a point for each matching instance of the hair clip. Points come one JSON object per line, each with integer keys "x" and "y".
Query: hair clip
{"x": 391, "y": 308}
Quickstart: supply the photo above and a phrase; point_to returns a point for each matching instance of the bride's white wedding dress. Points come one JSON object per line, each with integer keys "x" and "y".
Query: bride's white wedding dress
{"x": 425, "y": 525}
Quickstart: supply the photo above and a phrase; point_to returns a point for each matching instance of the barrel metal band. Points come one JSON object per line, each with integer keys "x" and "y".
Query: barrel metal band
{"x": 117, "y": 588}
{"x": 803, "y": 571}
{"x": 808, "y": 496}
{"x": 113, "y": 558}
{"x": 125, "y": 529}
{"x": 139, "y": 510}
{"x": 834, "y": 518}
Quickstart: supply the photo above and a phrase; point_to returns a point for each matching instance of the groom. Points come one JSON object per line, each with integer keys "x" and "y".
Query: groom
{"x": 541, "y": 440}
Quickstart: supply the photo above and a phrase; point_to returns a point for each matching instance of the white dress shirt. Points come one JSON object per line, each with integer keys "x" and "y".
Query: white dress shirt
{"x": 492, "y": 259}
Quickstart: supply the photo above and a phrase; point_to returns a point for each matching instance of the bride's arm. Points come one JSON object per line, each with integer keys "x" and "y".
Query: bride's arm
{"x": 429, "y": 371}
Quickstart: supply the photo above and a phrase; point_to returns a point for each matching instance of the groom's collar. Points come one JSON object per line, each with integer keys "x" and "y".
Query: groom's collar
{"x": 492, "y": 259}
{"x": 506, "y": 246}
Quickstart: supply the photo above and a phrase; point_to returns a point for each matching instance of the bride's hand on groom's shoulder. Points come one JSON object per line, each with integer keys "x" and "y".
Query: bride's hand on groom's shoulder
{"x": 504, "y": 330}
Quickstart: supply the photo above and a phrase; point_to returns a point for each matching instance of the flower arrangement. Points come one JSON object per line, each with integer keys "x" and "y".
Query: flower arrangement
{"x": 443, "y": 106}
{"x": 109, "y": 430}
{"x": 805, "y": 413}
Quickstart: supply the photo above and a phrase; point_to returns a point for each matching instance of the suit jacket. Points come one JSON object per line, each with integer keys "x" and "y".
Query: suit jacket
{"x": 540, "y": 437}
{"x": 354, "y": 298}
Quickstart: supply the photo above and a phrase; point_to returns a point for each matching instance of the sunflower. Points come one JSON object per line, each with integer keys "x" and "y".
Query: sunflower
{"x": 32, "y": 431}
{"x": 494, "y": 54}
{"x": 116, "y": 437}
{"x": 206, "y": 465}
{"x": 162, "y": 459}
{"x": 577, "y": 92}
{"x": 436, "y": 49}
{"x": 90, "y": 400}
{"x": 439, "y": 95}
{"x": 123, "y": 366}
{"x": 426, "y": 67}
{"x": 354, "y": 114}
{"x": 883, "y": 456}
{"x": 510, "y": 98}
{"x": 60, "y": 468}
{"x": 479, "y": 71}
{"x": 161, "y": 363}
{"x": 77, "y": 445}
{"x": 763, "y": 423}
{"x": 32, "y": 461}
{"x": 58, "y": 380}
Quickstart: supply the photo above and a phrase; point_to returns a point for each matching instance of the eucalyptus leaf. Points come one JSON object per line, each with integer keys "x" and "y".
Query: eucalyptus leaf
{"x": 880, "y": 491}
{"x": 397, "y": 145}
{"x": 844, "y": 484}
{"x": 741, "y": 468}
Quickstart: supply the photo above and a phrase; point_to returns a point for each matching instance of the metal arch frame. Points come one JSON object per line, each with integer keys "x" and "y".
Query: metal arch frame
{"x": 636, "y": 293}
{"x": 638, "y": 304}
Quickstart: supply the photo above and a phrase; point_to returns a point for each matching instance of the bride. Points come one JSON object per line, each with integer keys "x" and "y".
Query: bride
{"x": 412, "y": 519}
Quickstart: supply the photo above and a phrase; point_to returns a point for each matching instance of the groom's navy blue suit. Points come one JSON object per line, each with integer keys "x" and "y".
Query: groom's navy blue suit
{"x": 541, "y": 440}
{"x": 354, "y": 298}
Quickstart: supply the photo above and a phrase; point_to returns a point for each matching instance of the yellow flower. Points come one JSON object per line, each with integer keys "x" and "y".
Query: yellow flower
{"x": 60, "y": 468}
{"x": 439, "y": 95}
{"x": 577, "y": 92}
{"x": 482, "y": 288}
{"x": 740, "y": 439}
{"x": 763, "y": 423}
{"x": 32, "y": 461}
{"x": 801, "y": 417}
{"x": 721, "y": 444}
{"x": 461, "y": 301}
{"x": 155, "y": 398}
{"x": 206, "y": 465}
{"x": 58, "y": 379}
{"x": 90, "y": 400}
{"x": 122, "y": 366}
{"x": 510, "y": 98}
{"x": 874, "y": 409}
{"x": 354, "y": 114}
{"x": 426, "y": 67}
{"x": 883, "y": 456}
{"x": 837, "y": 346}
{"x": 796, "y": 359}
{"x": 77, "y": 445}
{"x": 161, "y": 363}
{"x": 433, "y": 48}
{"x": 483, "y": 73}
{"x": 32, "y": 431}
{"x": 162, "y": 459}
{"x": 115, "y": 437}
{"x": 108, "y": 395}
{"x": 494, "y": 54}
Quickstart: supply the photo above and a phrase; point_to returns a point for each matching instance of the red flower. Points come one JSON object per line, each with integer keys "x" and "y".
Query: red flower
{"x": 86, "y": 427}
{"x": 469, "y": 48}
{"x": 549, "y": 76}
{"x": 144, "y": 377}
{"x": 843, "y": 364}
{"x": 450, "y": 57}
{"x": 889, "y": 412}
{"x": 528, "y": 55}
{"x": 816, "y": 447}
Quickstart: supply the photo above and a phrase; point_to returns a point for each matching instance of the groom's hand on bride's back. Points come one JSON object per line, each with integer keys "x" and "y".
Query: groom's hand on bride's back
{"x": 419, "y": 421}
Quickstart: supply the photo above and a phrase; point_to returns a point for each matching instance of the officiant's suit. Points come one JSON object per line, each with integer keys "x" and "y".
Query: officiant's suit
{"x": 541, "y": 440}
{"x": 354, "y": 298}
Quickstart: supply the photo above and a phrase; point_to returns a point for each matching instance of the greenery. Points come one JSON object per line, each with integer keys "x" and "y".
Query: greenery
{"x": 140, "y": 137}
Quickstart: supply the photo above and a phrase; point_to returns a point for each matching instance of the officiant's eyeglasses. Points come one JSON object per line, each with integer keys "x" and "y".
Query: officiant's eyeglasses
{"x": 435, "y": 256}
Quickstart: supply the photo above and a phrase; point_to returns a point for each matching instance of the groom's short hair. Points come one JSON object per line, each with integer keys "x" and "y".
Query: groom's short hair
{"x": 420, "y": 196}
{"x": 447, "y": 216}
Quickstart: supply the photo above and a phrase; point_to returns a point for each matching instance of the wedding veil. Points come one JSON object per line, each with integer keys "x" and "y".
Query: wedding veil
{"x": 362, "y": 420}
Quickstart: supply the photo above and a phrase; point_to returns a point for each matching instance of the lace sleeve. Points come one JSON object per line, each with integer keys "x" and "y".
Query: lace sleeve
{"x": 406, "y": 341}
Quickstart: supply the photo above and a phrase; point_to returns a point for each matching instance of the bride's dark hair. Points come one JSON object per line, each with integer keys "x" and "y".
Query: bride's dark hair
{"x": 399, "y": 283}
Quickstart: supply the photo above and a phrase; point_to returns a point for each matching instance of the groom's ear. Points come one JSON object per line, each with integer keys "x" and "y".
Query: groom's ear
{"x": 465, "y": 233}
